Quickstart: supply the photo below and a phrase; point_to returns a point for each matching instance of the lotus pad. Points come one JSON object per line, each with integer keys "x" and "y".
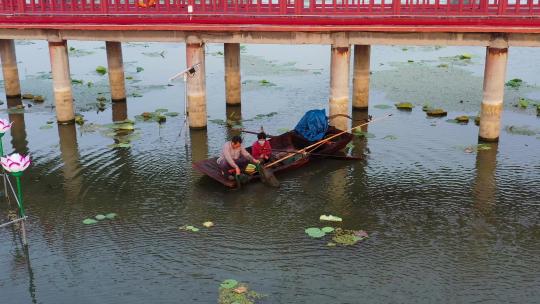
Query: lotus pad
{"x": 89, "y": 221}
{"x": 100, "y": 217}
{"x": 110, "y": 215}
{"x": 331, "y": 218}
{"x": 315, "y": 232}
{"x": 327, "y": 229}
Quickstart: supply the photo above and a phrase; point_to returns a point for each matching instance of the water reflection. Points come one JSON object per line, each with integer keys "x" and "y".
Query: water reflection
{"x": 199, "y": 145}
{"x": 234, "y": 117}
{"x": 70, "y": 156}
{"x": 119, "y": 110}
{"x": 485, "y": 184}
{"x": 360, "y": 143}
{"x": 18, "y": 129}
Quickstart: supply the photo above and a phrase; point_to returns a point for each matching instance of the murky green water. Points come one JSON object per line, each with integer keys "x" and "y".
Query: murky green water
{"x": 444, "y": 225}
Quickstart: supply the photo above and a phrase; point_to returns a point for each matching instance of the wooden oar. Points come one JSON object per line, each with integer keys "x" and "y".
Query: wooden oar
{"x": 322, "y": 141}
{"x": 317, "y": 154}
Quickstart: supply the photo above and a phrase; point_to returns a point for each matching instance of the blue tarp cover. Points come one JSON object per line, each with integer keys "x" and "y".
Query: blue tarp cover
{"x": 313, "y": 125}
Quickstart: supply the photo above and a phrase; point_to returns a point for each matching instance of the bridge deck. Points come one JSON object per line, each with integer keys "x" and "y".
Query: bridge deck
{"x": 322, "y": 15}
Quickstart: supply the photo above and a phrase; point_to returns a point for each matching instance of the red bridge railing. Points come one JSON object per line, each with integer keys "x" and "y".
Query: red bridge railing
{"x": 463, "y": 12}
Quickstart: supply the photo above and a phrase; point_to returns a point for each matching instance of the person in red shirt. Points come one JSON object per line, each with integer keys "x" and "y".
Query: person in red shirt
{"x": 261, "y": 148}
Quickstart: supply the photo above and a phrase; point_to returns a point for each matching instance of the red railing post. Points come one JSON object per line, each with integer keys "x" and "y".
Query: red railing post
{"x": 502, "y": 7}
{"x": 397, "y": 6}
{"x": 21, "y": 4}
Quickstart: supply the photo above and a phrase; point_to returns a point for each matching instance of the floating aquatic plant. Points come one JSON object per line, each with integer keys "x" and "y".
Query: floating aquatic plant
{"x": 39, "y": 98}
{"x": 208, "y": 224}
{"x": 465, "y": 56}
{"x": 520, "y": 130}
{"x": 111, "y": 215}
{"x": 89, "y": 221}
{"x": 238, "y": 294}
{"x": 100, "y": 217}
{"x": 79, "y": 119}
{"x": 101, "y": 70}
{"x": 390, "y": 137}
{"x": 27, "y": 96}
{"x": 514, "y": 83}
{"x": 436, "y": 113}
{"x": 315, "y": 232}
{"x": 523, "y": 102}
{"x": 404, "y": 106}
{"x": 77, "y": 81}
{"x": 361, "y": 133}
{"x": 140, "y": 69}
{"x": 382, "y": 106}
{"x": 45, "y": 127}
{"x": 476, "y": 148}
{"x": 327, "y": 229}
{"x": 189, "y": 228}
{"x": 348, "y": 237}
{"x": 331, "y": 218}
{"x": 463, "y": 119}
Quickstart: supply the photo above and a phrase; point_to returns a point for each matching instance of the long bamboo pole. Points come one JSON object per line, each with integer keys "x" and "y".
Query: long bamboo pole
{"x": 322, "y": 141}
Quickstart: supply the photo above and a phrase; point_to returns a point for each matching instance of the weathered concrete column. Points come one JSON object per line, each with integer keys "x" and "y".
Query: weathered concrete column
{"x": 361, "y": 77}
{"x": 339, "y": 85}
{"x": 18, "y": 129}
{"x": 12, "y": 85}
{"x": 196, "y": 86}
{"x": 119, "y": 110}
{"x": 492, "y": 102}
{"x": 116, "y": 70}
{"x": 233, "y": 85}
{"x": 63, "y": 95}
{"x": 71, "y": 168}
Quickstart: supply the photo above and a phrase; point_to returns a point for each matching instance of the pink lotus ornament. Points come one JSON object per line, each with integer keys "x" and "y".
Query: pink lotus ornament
{"x": 15, "y": 163}
{"x": 4, "y": 126}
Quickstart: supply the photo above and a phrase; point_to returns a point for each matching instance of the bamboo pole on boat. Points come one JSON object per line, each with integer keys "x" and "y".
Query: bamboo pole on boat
{"x": 322, "y": 141}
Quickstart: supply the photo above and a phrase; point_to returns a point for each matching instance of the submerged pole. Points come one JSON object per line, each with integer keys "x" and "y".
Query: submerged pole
{"x": 492, "y": 102}
{"x": 63, "y": 95}
{"x": 196, "y": 86}
{"x": 116, "y": 70}
{"x": 362, "y": 55}
{"x": 233, "y": 85}
{"x": 339, "y": 85}
{"x": 8, "y": 57}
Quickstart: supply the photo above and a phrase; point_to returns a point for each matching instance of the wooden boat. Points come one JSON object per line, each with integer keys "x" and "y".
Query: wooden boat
{"x": 289, "y": 141}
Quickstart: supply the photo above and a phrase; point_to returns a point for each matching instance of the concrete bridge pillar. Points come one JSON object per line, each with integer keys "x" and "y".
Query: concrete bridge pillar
{"x": 63, "y": 95}
{"x": 12, "y": 85}
{"x": 116, "y": 70}
{"x": 196, "y": 86}
{"x": 339, "y": 85}
{"x": 492, "y": 102}
{"x": 233, "y": 85}
{"x": 361, "y": 77}
{"x": 119, "y": 110}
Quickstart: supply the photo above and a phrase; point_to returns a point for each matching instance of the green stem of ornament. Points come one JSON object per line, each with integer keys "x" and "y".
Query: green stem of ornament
{"x": 1, "y": 145}
{"x": 19, "y": 191}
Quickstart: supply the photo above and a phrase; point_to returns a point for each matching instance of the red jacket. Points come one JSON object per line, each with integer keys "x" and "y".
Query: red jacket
{"x": 259, "y": 151}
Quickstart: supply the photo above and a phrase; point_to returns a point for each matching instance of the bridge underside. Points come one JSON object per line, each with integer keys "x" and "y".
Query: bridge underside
{"x": 265, "y": 35}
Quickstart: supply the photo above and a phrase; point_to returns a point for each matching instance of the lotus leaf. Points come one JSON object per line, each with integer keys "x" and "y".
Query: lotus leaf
{"x": 390, "y": 137}
{"x": 404, "y": 106}
{"x": 327, "y": 229}
{"x": 195, "y": 229}
{"x": 46, "y": 127}
{"x": 426, "y": 107}
{"x": 523, "y": 102}
{"x": 208, "y": 224}
{"x": 520, "y": 130}
{"x": 331, "y": 218}
{"x": 100, "y": 217}
{"x": 89, "y": 221}
{"x": 463, "y": 119}
{"x": 229, "y": 283}
{"x": 140, "y": 69}
{"x": 101, "y": 70}
{"x": 346, "y": 237}
{"x": 172, "y": 114}
{"x": 465, "y": 56}
{"x": 111, "y": 215}
{"x": 436, "y": 112}
{"x": 315, "y": 232}
{"x": 27, "y": 96}
{"x": 161, "y": 110}
{"x": 514, "y": 83}
{"x": 477, "y": 120}
{"x": 382, "y": 106}
{"x": 39, "y": 98}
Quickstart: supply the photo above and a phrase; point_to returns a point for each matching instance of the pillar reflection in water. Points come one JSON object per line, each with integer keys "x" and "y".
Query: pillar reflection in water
{"x": 119, "y": 110}
{"x": 70, "y": 156}
{"x": 18, "y": 129}
{"x": 485, "y": 184}
{"x": 360, "y": 142}
{"x": 234, "y": 117}
{"x": 199, "y": 145}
